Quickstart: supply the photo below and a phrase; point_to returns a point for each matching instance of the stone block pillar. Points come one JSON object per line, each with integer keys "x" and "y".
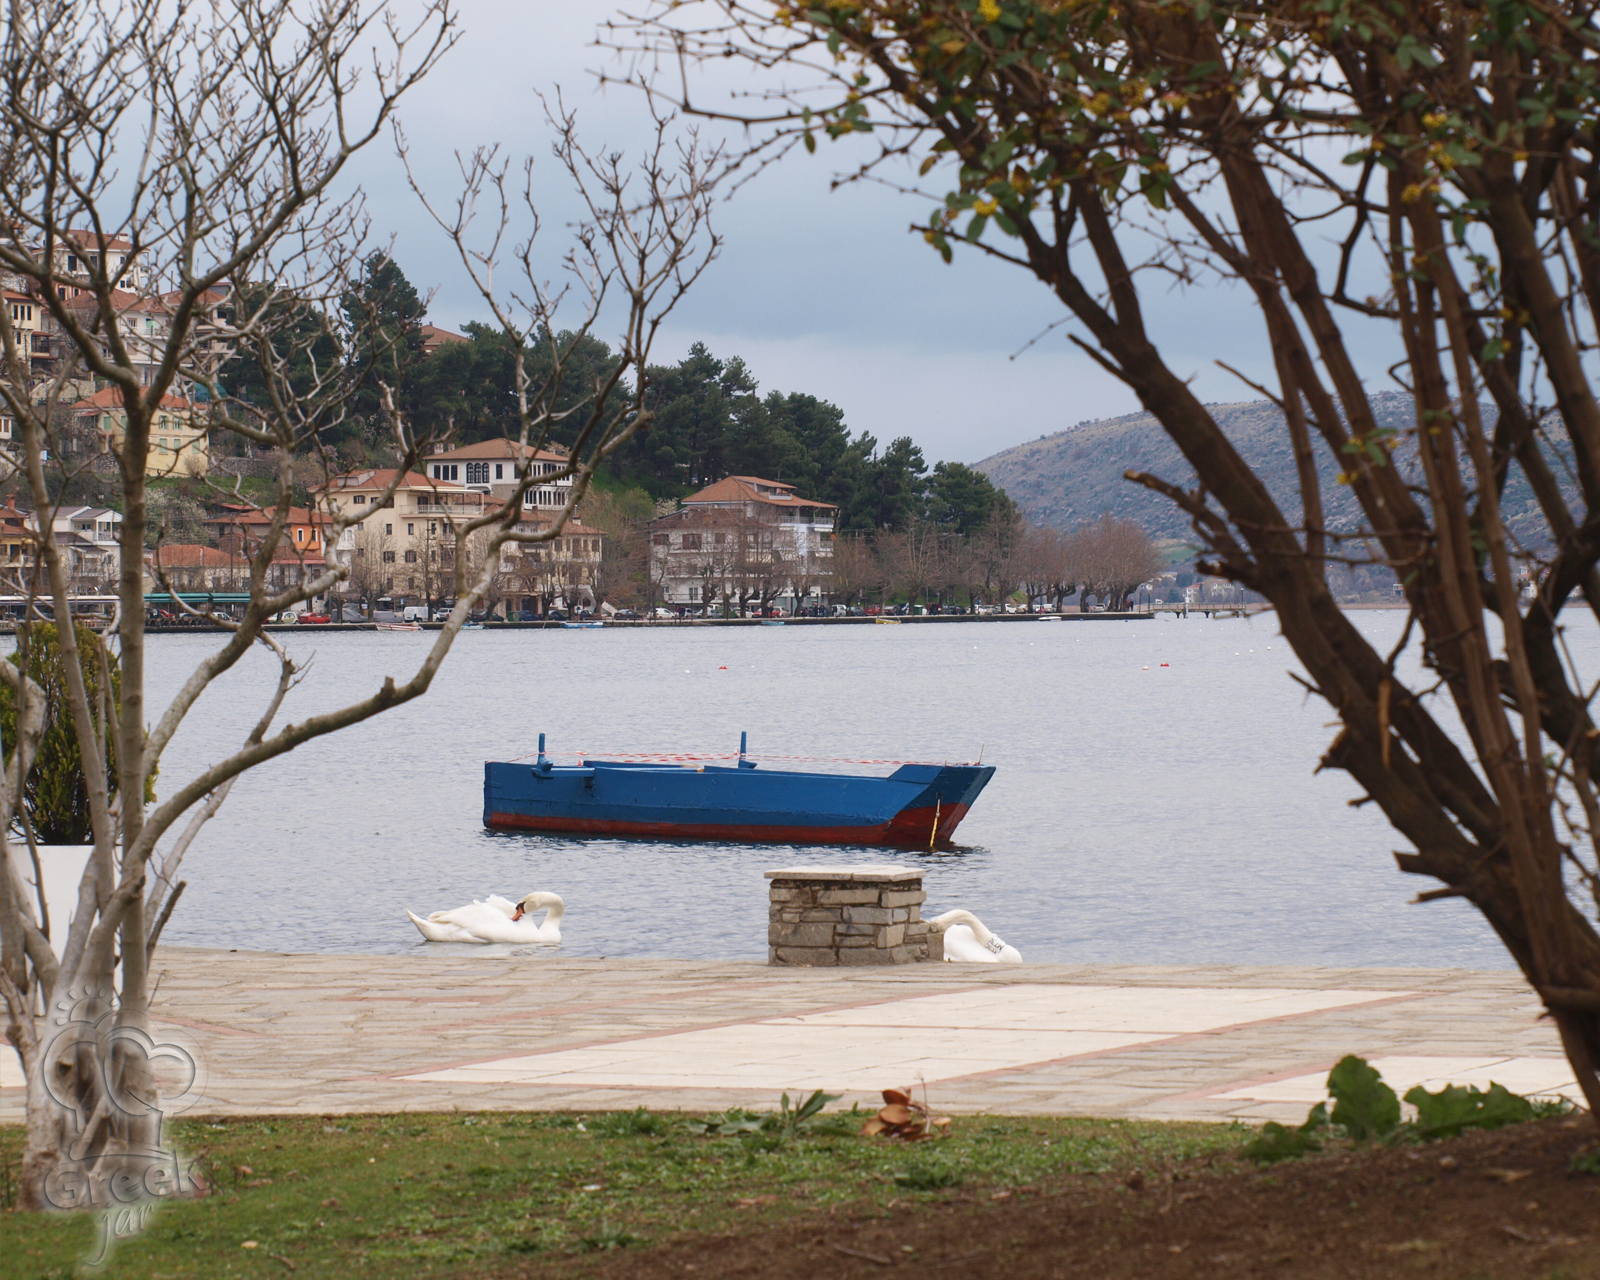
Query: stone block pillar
{"x": 849, "y": 916}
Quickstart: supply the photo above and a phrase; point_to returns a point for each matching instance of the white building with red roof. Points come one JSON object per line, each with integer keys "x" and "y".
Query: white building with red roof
{"x": 494, "y": 466}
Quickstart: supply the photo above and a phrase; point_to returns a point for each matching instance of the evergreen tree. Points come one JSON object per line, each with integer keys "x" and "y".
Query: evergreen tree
{"x": 384, "y": 315}
{"x": 965, "y": 501}
{"x": 891, "y": 494}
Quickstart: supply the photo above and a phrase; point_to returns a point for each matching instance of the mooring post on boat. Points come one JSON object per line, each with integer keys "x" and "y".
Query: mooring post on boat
{"x": 543, "y": 765}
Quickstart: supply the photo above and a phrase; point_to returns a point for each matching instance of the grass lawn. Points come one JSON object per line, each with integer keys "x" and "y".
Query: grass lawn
{"x": 456, "y": 1195}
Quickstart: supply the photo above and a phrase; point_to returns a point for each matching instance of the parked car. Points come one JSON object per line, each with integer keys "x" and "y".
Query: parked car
{"x": 663, "y": 613}
{"x": 526, "y": 615}
{"x": 626, "y": 615}
{"x": 287, "y": 618}
{"x": 415, "y": 613}
{"x": 557, "y": 615}
{"x": 315, "y": 619}
{"x": 441, "y": 613}
{"x": 872, "y": 611}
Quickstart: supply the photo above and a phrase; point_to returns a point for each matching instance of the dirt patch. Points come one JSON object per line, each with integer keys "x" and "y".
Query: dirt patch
{"x": 1490, "y": 1206}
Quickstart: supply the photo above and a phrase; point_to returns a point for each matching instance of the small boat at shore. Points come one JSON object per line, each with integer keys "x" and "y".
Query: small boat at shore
{"x": 583, "y": 626}
{"x": 917, "y": 805}
{"x": 397, "y": 626}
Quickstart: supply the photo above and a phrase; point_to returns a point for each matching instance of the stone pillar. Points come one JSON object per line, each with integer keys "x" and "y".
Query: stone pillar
{"x": 849, "y": 916}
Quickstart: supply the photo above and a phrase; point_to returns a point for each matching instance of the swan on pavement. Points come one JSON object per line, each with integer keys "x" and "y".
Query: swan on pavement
{"x": 495, "y": 919}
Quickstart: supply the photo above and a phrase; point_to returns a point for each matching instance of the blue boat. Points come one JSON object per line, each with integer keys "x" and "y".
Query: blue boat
{"x": 917, "y": 805}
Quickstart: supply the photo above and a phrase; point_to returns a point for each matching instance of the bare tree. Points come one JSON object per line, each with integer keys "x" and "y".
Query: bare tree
{"x": 1043, "y": 568}
{"x": 1087, "y": 135}
{"x": 856, "y": 570}
{"x": 912, "y": 559}
{"x": 176, "y": 152}
{"x": 1110, "y": 558}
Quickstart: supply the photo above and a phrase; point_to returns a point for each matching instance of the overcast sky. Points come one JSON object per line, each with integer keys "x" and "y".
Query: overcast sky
{"x": 823, "y": 292}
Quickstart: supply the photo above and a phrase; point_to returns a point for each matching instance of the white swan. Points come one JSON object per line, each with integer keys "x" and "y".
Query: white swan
{"x": 495, "y": 920}
{"x": 968, "y": 941}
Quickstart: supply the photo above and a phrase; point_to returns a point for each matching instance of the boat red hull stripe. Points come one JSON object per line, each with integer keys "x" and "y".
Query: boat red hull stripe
{"x": 910, "y": 827}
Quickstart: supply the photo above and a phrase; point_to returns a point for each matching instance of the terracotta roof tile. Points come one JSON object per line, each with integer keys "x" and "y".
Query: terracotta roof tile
{"x": 191, "y": 555}
{"x": 501, "y": 448}
{"x": 743, "y": 489}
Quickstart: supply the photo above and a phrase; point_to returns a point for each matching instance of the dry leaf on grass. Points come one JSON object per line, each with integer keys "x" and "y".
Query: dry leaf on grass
{"x": 904, "y": 1119}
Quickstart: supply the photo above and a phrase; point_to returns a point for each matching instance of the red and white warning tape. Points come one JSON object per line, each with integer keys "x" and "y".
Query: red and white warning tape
{"x": 678, "y": 757}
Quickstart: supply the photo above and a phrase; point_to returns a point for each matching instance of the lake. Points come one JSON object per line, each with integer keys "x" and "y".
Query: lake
{"x": 1154, "y": 800}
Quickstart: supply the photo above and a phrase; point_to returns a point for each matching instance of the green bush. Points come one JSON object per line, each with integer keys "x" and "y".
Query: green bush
{"x": 56, "y": 796}
{"x": 1365, "y": 1109}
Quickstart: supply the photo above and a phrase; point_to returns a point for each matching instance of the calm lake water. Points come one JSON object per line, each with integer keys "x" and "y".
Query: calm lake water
{"x": 1141, "y": 812}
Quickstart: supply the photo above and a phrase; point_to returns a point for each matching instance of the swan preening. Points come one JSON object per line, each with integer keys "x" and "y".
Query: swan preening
{"x": 968, "y": 941}
{"x": 495, "y": 920}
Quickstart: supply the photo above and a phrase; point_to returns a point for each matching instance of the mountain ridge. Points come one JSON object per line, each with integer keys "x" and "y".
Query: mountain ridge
{"x": 1075, "y": 475}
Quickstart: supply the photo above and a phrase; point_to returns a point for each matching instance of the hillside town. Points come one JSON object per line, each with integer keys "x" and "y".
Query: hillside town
{"x": 868, "y": 530}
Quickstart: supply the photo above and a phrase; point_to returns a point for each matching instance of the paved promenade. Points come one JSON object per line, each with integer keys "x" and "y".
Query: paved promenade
{"x": 346, "y": 1033}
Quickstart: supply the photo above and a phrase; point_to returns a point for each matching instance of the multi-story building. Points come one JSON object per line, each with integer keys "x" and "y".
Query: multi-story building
{"x": 179, "y": 444}
{"x": 300, "y": 553}
{"x": 88, "y": 536}
{"x": 241, "y": 528}
{"x": 81, "y": 251}
{"x": 740, "y": 542}
{"x": 188, "y": 566}
{"x": 18, "y": 548}
{"x": 491, "y": 467}
{"x": 405, "y": 544}
{"x": 407, "y": 548}
{"x": 559, "y": 574}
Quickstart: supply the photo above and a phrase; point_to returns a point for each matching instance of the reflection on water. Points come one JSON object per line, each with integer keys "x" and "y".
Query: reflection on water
{"x": 1154, "y": 801}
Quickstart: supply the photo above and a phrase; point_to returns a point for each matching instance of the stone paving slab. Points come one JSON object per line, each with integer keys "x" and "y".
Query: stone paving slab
{"x": 509, "y": 1030}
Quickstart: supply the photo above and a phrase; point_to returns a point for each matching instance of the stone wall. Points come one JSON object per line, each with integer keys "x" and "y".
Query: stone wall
{"x": 849, "y": 916}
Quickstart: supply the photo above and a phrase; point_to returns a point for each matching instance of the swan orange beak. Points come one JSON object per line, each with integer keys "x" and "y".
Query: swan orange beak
{"x": 517, "y": 915}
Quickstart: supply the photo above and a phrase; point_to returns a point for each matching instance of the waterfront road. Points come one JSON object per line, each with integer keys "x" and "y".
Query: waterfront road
{"x": 337, "y": 1034}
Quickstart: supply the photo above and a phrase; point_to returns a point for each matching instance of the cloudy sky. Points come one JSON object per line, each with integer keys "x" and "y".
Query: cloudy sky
{"x": 819, "y": 291}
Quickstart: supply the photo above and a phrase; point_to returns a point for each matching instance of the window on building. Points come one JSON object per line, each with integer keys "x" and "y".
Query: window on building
{"x": 360, "y": 500}
{"x": 691, "y": 542}
{"x": 411, "y": 557}
{"x": 388, "y": 530}
{"x": 361, "y": 553}
{"x": 388, "y": 557}
{"x": 299, "y": 535}
{"x": 411, "y": 530}
{"x": 661, "y": 539}
{"x": 499, "y": 470}
{"x": 433, "y": 526}
{"x": 694, "y": 593}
